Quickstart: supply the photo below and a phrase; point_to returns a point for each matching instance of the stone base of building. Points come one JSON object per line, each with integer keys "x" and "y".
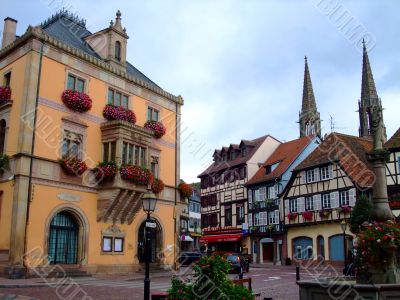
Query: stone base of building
{"x": 14, "y": 272}
{"x": 328, "y": 289}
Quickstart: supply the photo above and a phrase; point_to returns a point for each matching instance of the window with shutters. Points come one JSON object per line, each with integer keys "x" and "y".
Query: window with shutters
{"x": 263, "y": 194}
{"x": 344, "y": 198}
{"x": 326, "y": 200}
{"x": 239, "y": 214}
{"x": 309, "y": 203}
{"x": 326, "y": 173}
{"x": 293, "y": 205}
{"x": 310, "y": 176}
{"x": 273, "y": 217}
{"x": 273, "y": 192}
{"x": 257, "y": 195}
{"x": 257, "y": 219}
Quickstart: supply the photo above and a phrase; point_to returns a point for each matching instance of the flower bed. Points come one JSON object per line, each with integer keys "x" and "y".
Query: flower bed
{"x": 345, "y": 209}
{"x": 111, "y": 112}
{"x": 325, "y": 213}
{"x": 136, "y": 174}
{"x": 77, "y": 101}
{"x": 307, "y": 215}
{"x": 73, "y": 166}
{"x": 106, "y": 170}
{"x": 157, "y": 127}
{"x": 5, "y": 93}
{"x": 157, "y": 186}
{"x": 185, "y": 190}
{"x": 292, "y": 215}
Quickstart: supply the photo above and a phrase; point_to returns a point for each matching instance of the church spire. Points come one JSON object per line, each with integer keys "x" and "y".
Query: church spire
{"x": 309, "y": 119}
{"x": 369, "y": 97}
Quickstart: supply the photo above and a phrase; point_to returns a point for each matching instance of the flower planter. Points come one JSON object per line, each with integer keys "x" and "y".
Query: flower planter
{"x": 136, "y": 174}
{"x": 106, "y": 170}
{"x": 185, "y": 190}
{"x": 5, "y": 94}
{"x": 111, "y": 112}
{"x": 157, "y": 127}
{"x": 291, "y": 216}
{"x": 345, "y": 209}
{"x": 157, "y": 186}
{"x": 73, "y": 166}
{"x": 77, "y": 101}
{"x": 325, "y": 213}
{"x": 307, "y": 215}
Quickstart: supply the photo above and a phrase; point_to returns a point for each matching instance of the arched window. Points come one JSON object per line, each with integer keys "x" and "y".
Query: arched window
{"x": 118, "y": 50}
{"x": 2, "y": 135}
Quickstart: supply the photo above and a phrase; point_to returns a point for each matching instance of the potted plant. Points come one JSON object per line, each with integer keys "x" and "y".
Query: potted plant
{"x": 157, "y": 186}
{"x": 77, "y": 101}
{"x": 73, "y": 166}
{"x": 185, "y": 190}
{"x": 307, "y": 215}
{"x": 106, "y": 170}
{"x": 136, "y": 174}
{"x": 292, "y": 215}
{"x": 5, "y": 93}
{"x": 112, "y": 112}
{"x": 345, "y": 209}
{"x": 325, "y": 213}
{"x": 157, "y": 127}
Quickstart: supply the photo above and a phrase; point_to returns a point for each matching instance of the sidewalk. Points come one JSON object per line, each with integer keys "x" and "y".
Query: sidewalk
{"x": 14, "y": 297}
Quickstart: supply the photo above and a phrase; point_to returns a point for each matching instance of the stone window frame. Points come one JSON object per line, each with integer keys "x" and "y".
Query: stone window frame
{"x": 4, "y": 76}
{"x": 155, "y": 156}
{"x": 75, "y": 126}
{"x": 112, "y": 232}
{"x": 123, "y": 93}
{"x": 79, "y": 75}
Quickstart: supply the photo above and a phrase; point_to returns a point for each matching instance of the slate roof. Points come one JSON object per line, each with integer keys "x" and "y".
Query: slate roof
{"x": 285, "y": 154}
{"x": 349, "y": 151}
{"x": 239, "y": 160}
{"x": 394, "y": 141}
{"x": 72, "y": 31}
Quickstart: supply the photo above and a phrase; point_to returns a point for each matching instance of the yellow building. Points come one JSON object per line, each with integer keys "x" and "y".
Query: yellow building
{"x": 92, "y": 222}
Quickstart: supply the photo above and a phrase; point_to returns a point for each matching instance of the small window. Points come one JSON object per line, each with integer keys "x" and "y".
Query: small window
{"x": 7, "y": 79}
{"x": 75, "y": 83}
{"x": 113, "y": 244}
{"x": 310, "y": 176}
{"x": 107, "y": 244}
{"x": 118, "y": 50}
{"x": 293, "y": 205}
{"x": 239, "y": 215}
{"x": 72, "y": 145}
{"x": 118, "y": 245}
{"x": 309, "y": 203}
{"x": 109, "y": 151}
{"x": 228, "y": 216}
{"x": 133, "y": 155}
{"x": 2, "y": 136}
{"x": 344, "y": 198}
{"x": 398, "y": 164}
{"x": 152, "y": 114}
{"x": 326, "y": 200}
{"x": 117, "y": 98}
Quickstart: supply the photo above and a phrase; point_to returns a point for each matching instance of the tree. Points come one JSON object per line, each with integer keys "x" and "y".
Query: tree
{"x": 361, "y": 213}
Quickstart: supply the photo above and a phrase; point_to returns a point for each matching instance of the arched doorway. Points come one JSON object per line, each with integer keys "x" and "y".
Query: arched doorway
{"x": 63, "y": 239}
{"x": 321, "y": 247}
{"x": 156, "y": 242}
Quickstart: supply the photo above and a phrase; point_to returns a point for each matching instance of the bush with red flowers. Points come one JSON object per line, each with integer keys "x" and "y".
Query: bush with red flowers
{"x": 77, "y": 101}
{"x": 292, "y": 215}
{"x": 136, "y": 174}
{"x": 112, "y": 112}
{"x": 185, "y": 190}
{"x": 5, "y": 93}
{"x": 157, "y": 127}
{"x": 307, "y": 215}
{"x": 73, "y": 166}
{"x": 106, "y": 170}
{"x": 157, "y": 186}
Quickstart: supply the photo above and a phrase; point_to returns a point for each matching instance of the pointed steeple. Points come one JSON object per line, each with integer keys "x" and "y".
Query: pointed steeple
{"x": 309, "y": 119}
{"x": 369, "y": 97}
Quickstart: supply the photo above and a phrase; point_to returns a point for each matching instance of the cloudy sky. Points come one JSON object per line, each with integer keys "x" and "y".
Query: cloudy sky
{"x": 239, "y": 64}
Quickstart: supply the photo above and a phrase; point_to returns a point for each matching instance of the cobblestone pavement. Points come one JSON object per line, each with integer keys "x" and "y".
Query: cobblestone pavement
{"x": 278, "y": 282}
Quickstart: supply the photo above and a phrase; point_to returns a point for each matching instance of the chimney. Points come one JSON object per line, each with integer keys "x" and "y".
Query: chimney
{"x": 9, "y": 31}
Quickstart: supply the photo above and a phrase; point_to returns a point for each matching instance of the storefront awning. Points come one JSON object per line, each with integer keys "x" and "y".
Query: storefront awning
{"x": 186, "y": 238}
{"x": 221, "y": 238}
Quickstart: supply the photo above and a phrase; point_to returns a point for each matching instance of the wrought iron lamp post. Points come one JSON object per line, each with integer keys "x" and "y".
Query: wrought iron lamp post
{"x": 343, "y": 225}
{"x": 149, "y": 201}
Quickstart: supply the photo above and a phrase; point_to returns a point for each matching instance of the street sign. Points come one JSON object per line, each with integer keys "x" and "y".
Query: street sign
{"x": 151, "y": 224}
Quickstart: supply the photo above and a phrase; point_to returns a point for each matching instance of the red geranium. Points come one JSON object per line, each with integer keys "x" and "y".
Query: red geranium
{"x": 5, "y": 93}
{"x": 77, "y": 101}
{"x": 157, "y": 127}
{"x": 292, "y": 215}
{"x": 111, "y": 112}
{"x": 106, "y": 170}
{"x": 307, "y": 215}
{"x": 73, "y": 166}
{"x": 345, "y": 209}
{"x": 157, "y": 186}
{"x": 136, "y": 174}
{"x": 185, "y": 190}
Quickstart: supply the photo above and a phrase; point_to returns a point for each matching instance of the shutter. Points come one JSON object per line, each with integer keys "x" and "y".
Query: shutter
{"x": 316, "y": 174}
{"x": 330, "y": 171}
{"x": 263, "y": 192}
{"x": 286, "y": 207}
{"x": 250, "y": 195}
{"x": 277, "y": 219}
{"x": 250, "y": 219}
{"x": 352, "y": 197}
{"x": 335, "y": 199}
{"x": 300, "y": 204}
{"x": 256, "y": 195}
{"x": 304, "y": 177}
{"x": 317, "y": 202}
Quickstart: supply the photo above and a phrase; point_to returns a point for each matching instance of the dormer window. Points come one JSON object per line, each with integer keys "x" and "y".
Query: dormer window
{"x": 244, "y": 151}
{"x": 268, "y": 169}
{"x": 118, "y": 50}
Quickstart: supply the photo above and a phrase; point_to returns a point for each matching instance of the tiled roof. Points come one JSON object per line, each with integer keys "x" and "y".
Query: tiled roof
{"x": 72, "y": 31}
{"x": 285, "y": 154}
{"x": 219, "y": 166}
{"x": 349, "y": 151}
{"x": 394, "y": 141}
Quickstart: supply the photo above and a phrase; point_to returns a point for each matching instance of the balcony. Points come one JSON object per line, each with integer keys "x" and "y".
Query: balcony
{"x": 314, "y": 217}
{"x": 270, "y": 204}
{"x": 265, "y": 230}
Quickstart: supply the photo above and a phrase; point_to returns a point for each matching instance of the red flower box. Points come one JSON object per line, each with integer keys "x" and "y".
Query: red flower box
{"x": 111, "y": 112}
{"x": 345, "y": 209}
{"x": 77, "y": 101}
{"x": 106, "y": 170}
{"x": 157, "y": 186}
{"x": 5, "y": 93}
{"x": 307, "y": 215}
{"x": 136, "y": 174}
{"x": 292, "y": 215}
{"x": 73, "y": 166}
{"x": 157, "y": 127}
{"x": 185, "y": 190}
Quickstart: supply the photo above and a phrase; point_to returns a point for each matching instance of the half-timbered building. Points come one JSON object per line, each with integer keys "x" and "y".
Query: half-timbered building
{"x": 393, "y": 172}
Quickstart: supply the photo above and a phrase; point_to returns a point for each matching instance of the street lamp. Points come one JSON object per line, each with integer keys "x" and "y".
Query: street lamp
{"x": 149, "y": 201}
{"x": 343, "y": 225}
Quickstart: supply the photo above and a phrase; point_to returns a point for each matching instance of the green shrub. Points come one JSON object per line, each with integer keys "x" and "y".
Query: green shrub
{"x": 361, "y": 213}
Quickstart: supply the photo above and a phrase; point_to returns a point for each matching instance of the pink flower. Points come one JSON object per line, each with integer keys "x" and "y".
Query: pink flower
{"x": 111, "y": 112}
{"x": 5, "y": 93}
{"x": 157, "y": 127}
{"x": 77, "y": 101}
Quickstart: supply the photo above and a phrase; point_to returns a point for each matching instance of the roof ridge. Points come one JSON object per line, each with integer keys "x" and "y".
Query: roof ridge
{"x": 352, "y": 136}
{"x": 66, "y": 14}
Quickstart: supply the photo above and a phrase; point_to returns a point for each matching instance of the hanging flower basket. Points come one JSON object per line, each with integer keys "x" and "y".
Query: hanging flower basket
{"x": 345, "y": 209}
{"x": 157, "y": 127}
{"x": 73, "y": 166}
{"x": 292, "y": 215}
{"x": 136, "y": 174}
{"x": 325, "y": 213}
{"x": 106, "y": 170}
{"x": 157, "y": 186}
{"x": 77, "y": 101}
{"x": 5, "y": 93}
{"x": 307, "y": 215}
{"x": 185, "y": 190}
{"x": 111, "y": 112}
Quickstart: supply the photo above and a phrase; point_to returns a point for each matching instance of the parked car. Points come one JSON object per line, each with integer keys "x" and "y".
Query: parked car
{"x": 239, "y": 264}
{"x": 188, "y": 258}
